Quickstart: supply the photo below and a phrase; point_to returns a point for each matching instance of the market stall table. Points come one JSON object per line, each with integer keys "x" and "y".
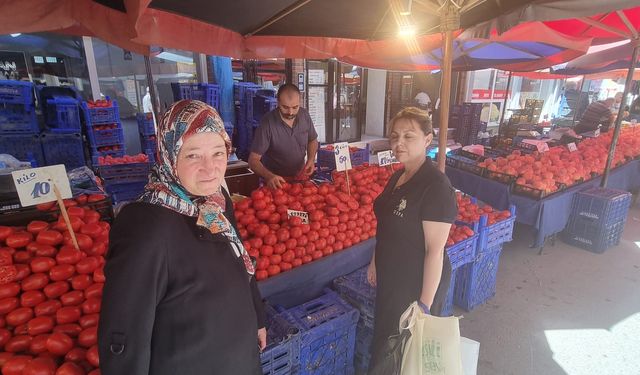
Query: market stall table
{"x": 307, "y": 281}
{"x": 547, "y": 216}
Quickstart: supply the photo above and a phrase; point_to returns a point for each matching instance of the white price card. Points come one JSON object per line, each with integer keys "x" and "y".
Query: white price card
{"x": 301, "y": 214}
{"x": 36, "y": 185}
{"x": 386, "y": 158}
{"x": 572, "y": 147}
{"x": 343, "y": 158}
{"x": 596, "y": 133}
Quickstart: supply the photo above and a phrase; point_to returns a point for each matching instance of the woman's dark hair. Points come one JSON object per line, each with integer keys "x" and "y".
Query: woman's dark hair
{"x": 288, "y": 87}
{"x": 414, "y": 114}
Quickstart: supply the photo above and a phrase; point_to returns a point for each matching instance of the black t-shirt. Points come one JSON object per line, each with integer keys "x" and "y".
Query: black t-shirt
{"x": 400, "y": 247}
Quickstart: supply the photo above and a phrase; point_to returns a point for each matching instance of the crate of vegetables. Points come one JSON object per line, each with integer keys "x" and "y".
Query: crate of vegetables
{"x": 326, "y": 157}
{"x": 461, "y": 244}
{"x": 101, "y": 112}
{"x": 124, "y": 169}
{"x": 538, "y": 190}
{"x": 468, "y": 165}
{"x": 494, "y": 227}
{"x": 504, "y": 178}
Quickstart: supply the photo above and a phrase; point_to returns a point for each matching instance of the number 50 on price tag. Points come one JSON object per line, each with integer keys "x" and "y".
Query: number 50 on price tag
{"x": 37, "y": 185}
{"x": 343, "y": 158}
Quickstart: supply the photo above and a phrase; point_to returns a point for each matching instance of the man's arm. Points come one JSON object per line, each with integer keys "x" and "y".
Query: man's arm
{"x": 273, "y": 180}
{"x": 312, "y": 149}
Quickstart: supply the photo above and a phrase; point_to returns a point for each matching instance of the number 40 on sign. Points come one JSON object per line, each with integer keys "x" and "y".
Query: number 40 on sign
{"x": 38, "y": 185}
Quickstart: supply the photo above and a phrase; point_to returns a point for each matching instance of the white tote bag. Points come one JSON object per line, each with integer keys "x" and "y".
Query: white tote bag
{"x": 434, "y": 345}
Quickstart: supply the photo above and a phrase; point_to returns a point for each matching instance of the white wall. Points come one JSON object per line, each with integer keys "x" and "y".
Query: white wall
{"x": 376, "y": 87}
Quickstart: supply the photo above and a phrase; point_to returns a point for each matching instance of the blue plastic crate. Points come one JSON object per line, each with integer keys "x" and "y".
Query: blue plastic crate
{"x": 447, "y": 308}
{"x": 126, "y": 196}
{"x": 67, "y": 149}
{"x": 327, "y": 327}
{"x": 125, "y": 187}
{"x": 100, "y": 151}
{"x": 355, "y": 289}
{"x": 23, "y": 147}
{"x": 601, "y": 205}
{"x": 146, "y": 125}
{"x": 364, "y": 339}
{"x": 496, "y": 234}
{"x": 101, "y": 115}
{"x": 463, "y": 252}
{"x": 152, "y": 155}
{"x": 149, "y": 143}
{"x": 106, "y": 137}
{"x": 326, "y": 158}
{"x": 121, "y": 173}
{"x": 15, "y": 119}
{"x": 282, "y": 354}
{"x": 17, "y": 92}
{"x": 593, "y": 236}
{"x": 204, "y": 92}
{"x": 476, "y": 282}
{"x": 63, "y": 114}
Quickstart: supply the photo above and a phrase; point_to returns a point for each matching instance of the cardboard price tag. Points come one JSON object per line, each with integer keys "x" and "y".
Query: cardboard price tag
{"x": 36, "y": 185}
{"x": 385, "y": 158}
{"x": 301, "y": 214}
{"x": 572, "y": 147}
{"x": 343, "y": 158}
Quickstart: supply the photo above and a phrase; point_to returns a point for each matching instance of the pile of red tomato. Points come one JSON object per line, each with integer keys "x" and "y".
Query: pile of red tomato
{"x": 101, "y": 103}
{"x": 50, "y": 294}
{"x": 110, "y": 160}
{"x": 470, "y": 212}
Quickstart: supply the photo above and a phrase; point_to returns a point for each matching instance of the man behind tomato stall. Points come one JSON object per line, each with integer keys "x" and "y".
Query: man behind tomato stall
{"x": 180, "y": 295}
{"x": 285, "y": 136}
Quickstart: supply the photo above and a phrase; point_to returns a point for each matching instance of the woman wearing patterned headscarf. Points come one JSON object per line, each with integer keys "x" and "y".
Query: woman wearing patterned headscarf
{"x": 180, "y": 296}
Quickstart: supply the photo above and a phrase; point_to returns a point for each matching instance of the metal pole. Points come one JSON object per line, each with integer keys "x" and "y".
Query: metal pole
{"x": 449, "y": 21}
{"x": 504, "y": 104}
{"x": 155, "y": 103}
{"x": 91, "y": 66}
{"x": 575, "y": 111}
{"x": 616, "y": 132}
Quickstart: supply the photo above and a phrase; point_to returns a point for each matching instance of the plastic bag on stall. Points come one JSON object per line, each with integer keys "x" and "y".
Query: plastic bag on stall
{"x": 8, "y": 163}
{"x": 84, "y": 181}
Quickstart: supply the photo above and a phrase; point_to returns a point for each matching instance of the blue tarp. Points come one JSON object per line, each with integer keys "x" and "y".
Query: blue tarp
{"x": 224, "y": 78}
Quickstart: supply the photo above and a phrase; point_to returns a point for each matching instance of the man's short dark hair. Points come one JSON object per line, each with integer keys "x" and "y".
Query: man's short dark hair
{"x": 288, "y": 87}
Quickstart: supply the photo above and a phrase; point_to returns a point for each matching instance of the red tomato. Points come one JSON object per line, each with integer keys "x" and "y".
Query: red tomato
{"x": 92, "y": 356}
{"x": 88, "y": 337}
{"x": 81, "y": 282}
{"x": 8, "y": 304}
{"x": 262, "y": 263}
{"x": 19, "y": 316}
{"x": 270, "y": 239}
{"x": 56, "y": 289}
{"x": 40, "y": 250}
{"x": 69, "y": 368}
{"x": 273, "y": 270}
{"x": 74, "y": 221}
{"x": 9, "y": 290}
{"x": 275, "y": 259}
{"x": 47, "y": 308}
{"x": 18, "y": 240}
{"x": 40, "y": 366}
{"x": 35, "y": 281}
{"x": 5, "y": 336}
{"x": 327, "y": 251}
{"x": 71, "y": 330}
{"x": 17, "y": 344}
{"x": 84, "y": 242}
{"x": 284, "y": 266}
{"x": 302, "y": 240}
{"x": 92, "y": 230}
{"x": 40, "y": 325}
{"x": 90, "y": 320}
{"x": 15, "y": 365}
{"x": 94, "y": 291}
{"x": 297, "y": 262}
{"x": 42, "y": 264}
{"x": 98, "y": 276}
{"x": 317, "y": 254}
{"x": 295, "y": 221}
{"x": 87, "y": 265}
{"x": 76, "y": 355}
{"x": 99, "y": 248}
{"x": 37, "y": 226}
{"x": 261, "y": 275}
{"x": 96, "y": 198}
{"x": 32, "y": 298}
{"x": 91, "y": 217}
{"x": 288, "y": 256}
{"x": 92, "y": 306}
{"x": 61, "y": 272}
{"x": 39, "y": 344}
{"x": 73, "y": 298}
{"x": 49, "y": 237}
{"x": 5, "y": 232}
{"x": 306, "y": 259}
{"x": 68, "y": 255}
{"x": 282, "y": 234}
{"x": 338, "y": 246}
{"x": 256, "y": 243}
{"x": 68, "y": 314}
{"x": 296, "y": 231}
{"x": 76, "y": 211}
{"x": 266, "y": 250}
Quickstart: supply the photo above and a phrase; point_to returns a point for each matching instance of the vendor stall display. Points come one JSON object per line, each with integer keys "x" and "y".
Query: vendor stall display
{"x": 147, "y": 133}
{"x": 124, "y": 178}
{"x": 104, "y": 129}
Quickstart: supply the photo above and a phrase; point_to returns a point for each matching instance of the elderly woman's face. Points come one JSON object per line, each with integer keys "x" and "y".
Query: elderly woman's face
{"x": 202, "y": 162}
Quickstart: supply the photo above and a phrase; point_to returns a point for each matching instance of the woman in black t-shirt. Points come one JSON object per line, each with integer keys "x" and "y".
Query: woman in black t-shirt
{"x": 414, "y": 214}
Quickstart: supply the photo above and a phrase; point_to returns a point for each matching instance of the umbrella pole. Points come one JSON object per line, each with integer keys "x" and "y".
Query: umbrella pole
{"x": 155, "y": 103}
{"x": 450, "y": 20}
{"x": 575, "y": 111}
{"x": 504, "y": 104}
{"x": 616, "y": 132}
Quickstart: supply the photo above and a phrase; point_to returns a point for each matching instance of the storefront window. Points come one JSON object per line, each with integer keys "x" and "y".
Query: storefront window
{"x": 349, "y": 82}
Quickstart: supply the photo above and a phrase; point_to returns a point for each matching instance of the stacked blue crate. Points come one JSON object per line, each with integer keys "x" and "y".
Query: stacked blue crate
{"x": 475, "y": 283}
{"x": 104, "y": 130}
{"x": 124, "y": 182}
{"x": 63, "y": 115}
{"x": 62, "y": 141}
{"x": 598, "y": 216}
{"x": 244, "y": 121}
{"x": 19, "y": 130}
{"x": 205, "y": 92}
{"x": 468, "y": 123}
{"x": 147, "y": 134}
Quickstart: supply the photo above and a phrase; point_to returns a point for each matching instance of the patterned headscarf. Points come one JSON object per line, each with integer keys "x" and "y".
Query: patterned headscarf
{"x": 180, "y": 121}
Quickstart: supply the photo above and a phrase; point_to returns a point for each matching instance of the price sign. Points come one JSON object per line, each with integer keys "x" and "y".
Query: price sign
{"x": 384, "y": 158}
{"x": 596, "y": 133}
{"x": 36, "y": 185}
{"x": 343, "y": 158}
{"x": 572, "y": 147}
{"x": 301, "y": 214}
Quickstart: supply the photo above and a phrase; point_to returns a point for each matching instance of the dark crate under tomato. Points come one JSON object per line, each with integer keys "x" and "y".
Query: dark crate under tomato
{"x": 96, "y": 154}
{"x": 20, "y": 216}
{"x": 282, "y": 354}
{"x": 491, "y": 236}
{"x": 327, "y": 327}
{"x": 591, "y": 235}
{"x": 16, "y": 92}
{"x": 146, "y": 125}
{"x": 122, "y": 173}
{"x": 15, "y": 119}
{"x": 464, "y": 251}
{"x": 101, "y": 115}
{"x": 63, "y": 114}
{"x": 476, "y": 282}
{"x": 355, "y": 289}
{"x": 106, "y": 137}
{"x": 531, "y": 192}
{"x": 447, "y": 307}
{"x": 24, "y": 147}
{"x": 465, "y": 164}
{"x": 326, "y": 158}
{"x": 500, "y": 177}
{"x": 148, "y": 142}
{"x": 601, "y": 205}
{"x": 67, "y": 149}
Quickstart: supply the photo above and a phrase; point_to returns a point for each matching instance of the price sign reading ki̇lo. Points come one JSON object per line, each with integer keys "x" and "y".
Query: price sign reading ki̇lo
{"x": 343, "y": 158}
{"x": 38, "y": 185}
{"x": 386, "y": 158}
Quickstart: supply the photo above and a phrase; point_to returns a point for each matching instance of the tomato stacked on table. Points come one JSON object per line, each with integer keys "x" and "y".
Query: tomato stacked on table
{"x": 50, "y": 294}
{"x": 337, "y": 219}
{"x": 127, "y": 159}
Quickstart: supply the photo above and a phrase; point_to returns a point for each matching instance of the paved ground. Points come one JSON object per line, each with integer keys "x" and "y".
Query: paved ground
{"x": 567, "y": 311}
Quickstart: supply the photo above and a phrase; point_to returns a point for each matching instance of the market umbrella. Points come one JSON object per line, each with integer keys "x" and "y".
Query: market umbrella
{"x": 603, "y": 61}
